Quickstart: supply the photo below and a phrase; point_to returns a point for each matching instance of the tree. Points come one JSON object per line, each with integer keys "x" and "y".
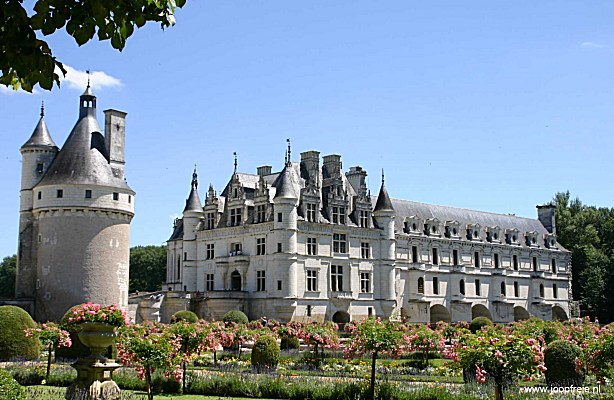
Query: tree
{"x": 52, "y": 336}
{"x": 147, "y": 268}
{"x": 8, "y": 269}
{"x": 588, "y": 232}
{"x": 27, "y": 60}
{"x": 374, "y": 336}
{"x": 148, "y": 347}
{"x": 499, "y": 354}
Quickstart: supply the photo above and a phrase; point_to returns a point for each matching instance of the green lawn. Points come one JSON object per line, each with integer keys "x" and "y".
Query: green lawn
{"x": 55, "y": 393}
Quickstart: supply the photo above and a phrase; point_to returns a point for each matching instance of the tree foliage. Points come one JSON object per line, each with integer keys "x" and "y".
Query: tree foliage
{"x": 27, "y": 60}
{"x": 8, "y": 269}
{"x": 588, "y": 232}
{"x": 147, "y": 268}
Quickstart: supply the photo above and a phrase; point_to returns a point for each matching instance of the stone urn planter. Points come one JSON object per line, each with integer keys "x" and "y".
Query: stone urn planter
{"x": 98, "y": 337}
{"x": 95, "y": 372}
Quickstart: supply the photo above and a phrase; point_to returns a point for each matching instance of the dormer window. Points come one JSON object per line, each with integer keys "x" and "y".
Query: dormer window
{"x": 452, "y": 230}
{"x": 310, "y": 211}
{"x": 431, "y": 227}
{"x": 493, "y": 234}
{"x": 550, "y": 241}
{"x": 338, "y": 214}
{"x": 210, "y": 220}
{"x": 413, "y": 225}
{"x": 531, "y": 239}
{"x": 363, "y": 218}
{"x": 260, "y": 213}
{"x": 473, "y": 232}
{"x": 511, "y": 236}
{"x": 235, "y": 217}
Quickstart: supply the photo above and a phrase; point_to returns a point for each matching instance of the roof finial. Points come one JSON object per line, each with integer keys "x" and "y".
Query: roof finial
{"x": 289, "y": 158}
{"x": 235, "y": 154}
{"x": 43, "y": 108}
{"x": 382, "y": 176}
{"x": 194, "y": 179}
{"x": 88, "y": 77}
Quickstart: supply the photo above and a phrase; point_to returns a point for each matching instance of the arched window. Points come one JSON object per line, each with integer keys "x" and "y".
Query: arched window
{"x": 421, "y": 285}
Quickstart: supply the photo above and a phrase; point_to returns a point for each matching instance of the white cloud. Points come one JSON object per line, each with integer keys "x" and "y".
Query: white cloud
{"x": 593, "y": 45}
{"x": 76, "y": 79}
{"x": 9, "y": 91}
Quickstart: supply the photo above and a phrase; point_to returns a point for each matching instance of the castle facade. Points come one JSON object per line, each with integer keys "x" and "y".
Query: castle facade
{"x": 310, "y": 243}
{"x": 75, "y": 213}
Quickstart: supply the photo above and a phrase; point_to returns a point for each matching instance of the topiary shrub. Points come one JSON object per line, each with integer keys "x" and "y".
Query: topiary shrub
{"x": 290, "y": 343}
{"x": 236, "y": 316}
{"x": 13, "y": 341}
{"x": 9, "y": 388}
{"x": 266, "y": 352}
{"x": 560, "y": 359}
{"x": 187, "y": 316}
{"x": 478, "y": 323}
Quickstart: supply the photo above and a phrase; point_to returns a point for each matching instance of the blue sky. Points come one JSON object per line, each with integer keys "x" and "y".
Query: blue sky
{"x": 484, "y": 105}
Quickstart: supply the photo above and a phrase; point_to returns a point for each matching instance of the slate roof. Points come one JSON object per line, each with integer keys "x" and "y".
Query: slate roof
{"x": 193, "y": 202}
{"x": 383, "y": 200}
{"x": 288, "y": 184}
{"x": 177, "y": 231}
{"x": 40, "y": 136}
{"x": 83, "y": 159}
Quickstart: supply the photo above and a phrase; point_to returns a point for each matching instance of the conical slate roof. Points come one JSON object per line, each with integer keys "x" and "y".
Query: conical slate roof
{"x": 40, "y": 136}
{"x": 383, "y": 200}
{"x": 288, "y": 184}
{"x": 193, "y": 202}
{"x": 83, "y": 160}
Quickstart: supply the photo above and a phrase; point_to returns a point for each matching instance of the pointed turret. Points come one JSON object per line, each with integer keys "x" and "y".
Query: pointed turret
{"x": 40, "y": 136}
{"x": 288, "y": 183}
{"x": 383, "y": 200}
{"x": 193, "y": 202}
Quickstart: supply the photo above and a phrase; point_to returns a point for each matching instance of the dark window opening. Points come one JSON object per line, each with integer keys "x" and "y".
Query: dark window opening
{"x": 115, "y": 196}
{"x": 421, "y": 285}
{"x": 60, "y": 193}
{"x": 414, "y": 254}
{"x": 88, "y": 194}
{"x": 478, "y": 288}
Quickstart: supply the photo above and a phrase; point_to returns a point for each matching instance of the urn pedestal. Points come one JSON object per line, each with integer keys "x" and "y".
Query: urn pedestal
{"x": 95, "y": 372}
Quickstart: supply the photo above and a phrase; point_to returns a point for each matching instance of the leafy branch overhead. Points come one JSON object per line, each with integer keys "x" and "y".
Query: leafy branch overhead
{"x": 27, "y": 60}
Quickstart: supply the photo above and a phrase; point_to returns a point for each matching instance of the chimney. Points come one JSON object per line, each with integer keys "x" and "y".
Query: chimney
{"x": 115, "y": 138}
{"x": 264, "y": 170}
{"x": 332, "y": 166}
{"x": 547, "y": 216}
{"x": 310, "y": 167}
{"x": 357, "y": 177}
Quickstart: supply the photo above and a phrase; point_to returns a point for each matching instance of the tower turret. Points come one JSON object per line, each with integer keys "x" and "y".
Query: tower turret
{"x": 286, "y": 200}
{"x": 36, "y": 156}
{"x": 384, "y": 217}
{"x": 192, "y": 216}
{"x": 81, "y": 216}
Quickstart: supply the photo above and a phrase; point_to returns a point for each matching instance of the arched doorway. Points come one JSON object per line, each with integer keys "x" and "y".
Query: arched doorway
{"x": 341, "y": 318}
{"x": 480, "y": 310}
{"x": 440, "y": 313}
{"x": 521, "y": 314}
{"x": 235, "y": 281}
{"x": 558, "y": 314}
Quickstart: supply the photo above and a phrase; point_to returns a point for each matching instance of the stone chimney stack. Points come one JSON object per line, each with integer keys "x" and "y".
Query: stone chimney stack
{"x": 310, "y": 167}
{"x": 115, "y": 138}
{"x": 332, "y": 166}
{"x": 547, "y": 216}
{"x": 264, "y": 170}
{"x": 357, "y": 177}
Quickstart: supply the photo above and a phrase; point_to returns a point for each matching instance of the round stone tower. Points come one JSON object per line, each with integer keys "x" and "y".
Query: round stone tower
{"x": 81, "y": 208}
